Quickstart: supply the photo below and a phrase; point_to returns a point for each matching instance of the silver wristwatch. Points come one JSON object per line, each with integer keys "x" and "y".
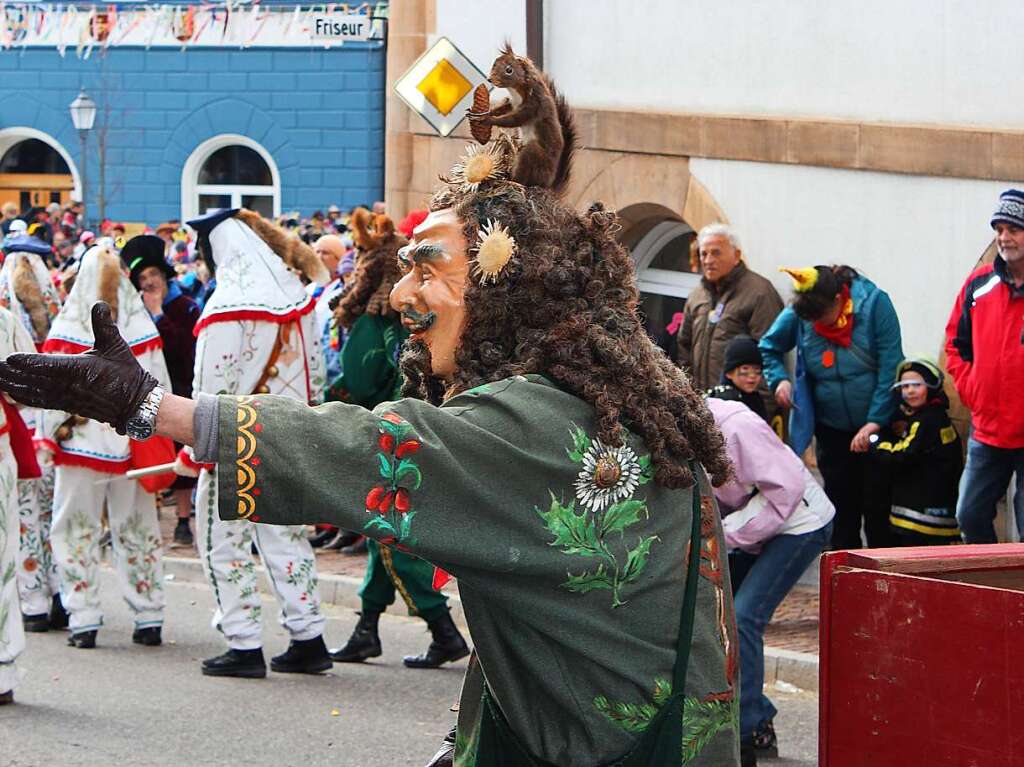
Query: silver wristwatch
{"x": 142, "y": 425}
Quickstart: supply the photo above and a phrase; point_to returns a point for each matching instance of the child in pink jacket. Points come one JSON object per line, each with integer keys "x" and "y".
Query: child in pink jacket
{"x": 777, "y": 521}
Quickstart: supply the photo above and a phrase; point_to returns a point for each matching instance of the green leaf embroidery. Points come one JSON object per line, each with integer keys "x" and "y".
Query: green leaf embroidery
{"x": 662, "y": 691}
{"x": 701, "y": 722}
{"x": 406, "y": 526}
{"x": 386, "y": 470}
{"x": 629, "y": 716}
{"x": 576, "y": 533}
{"x": 589, "y": 581}
{"x": 396, "y": 430}
{"x": 408, "y": 466}
{"x": 636, "y": 559}
{"x": 620, "y": 516}
{"x": 580, "y": 443}
{"x": 646, "y": 470}
{"x": 383, "y": 524}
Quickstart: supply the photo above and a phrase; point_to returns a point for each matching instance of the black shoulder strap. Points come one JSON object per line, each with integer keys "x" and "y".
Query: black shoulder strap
{"x": 690, "y": 595}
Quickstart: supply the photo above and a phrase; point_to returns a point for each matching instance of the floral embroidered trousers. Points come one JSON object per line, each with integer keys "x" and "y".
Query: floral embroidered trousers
{"x": 12, "y": 634}
{"x": 78, "y": 501}
{"x": 224, "y": 548}
{"x": 38, "y": 580}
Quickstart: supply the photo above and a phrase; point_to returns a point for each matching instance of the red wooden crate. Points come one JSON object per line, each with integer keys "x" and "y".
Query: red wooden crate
{"x": 922, "y": 657}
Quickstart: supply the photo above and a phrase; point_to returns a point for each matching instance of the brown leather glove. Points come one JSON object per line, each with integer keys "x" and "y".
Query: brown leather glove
{"x": 105, "y": 384}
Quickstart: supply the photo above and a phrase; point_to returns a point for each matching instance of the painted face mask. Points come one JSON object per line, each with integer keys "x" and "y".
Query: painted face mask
{"x": 431, "y": 292}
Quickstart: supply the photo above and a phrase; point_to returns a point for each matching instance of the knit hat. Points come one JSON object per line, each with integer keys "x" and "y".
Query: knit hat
{"x": 1010, "y": 209}
{"x": 742, "y": 350}
{"x": 926, "y": 368}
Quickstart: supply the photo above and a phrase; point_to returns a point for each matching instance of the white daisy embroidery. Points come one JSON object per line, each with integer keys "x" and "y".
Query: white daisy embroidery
{"x": 609, "y": 475}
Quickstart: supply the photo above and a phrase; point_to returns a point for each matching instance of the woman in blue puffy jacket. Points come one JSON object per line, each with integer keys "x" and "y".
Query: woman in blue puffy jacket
{"x": 848, "y": 336}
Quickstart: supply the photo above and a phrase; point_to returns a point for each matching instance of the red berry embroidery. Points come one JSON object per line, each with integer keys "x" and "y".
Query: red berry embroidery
{"x": 385, "y": 504}
{"x": 386, "y": 442}
{"x": 408, "y": 447}
{"x": 373, "y": 497}
{"x": 402, "y": 502}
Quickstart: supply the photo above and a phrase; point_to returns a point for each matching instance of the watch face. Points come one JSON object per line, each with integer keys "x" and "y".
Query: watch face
{"x": 139, "y": 430}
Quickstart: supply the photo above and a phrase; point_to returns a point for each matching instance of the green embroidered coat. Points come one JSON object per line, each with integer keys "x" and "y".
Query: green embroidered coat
{"x": 570, "y": 559}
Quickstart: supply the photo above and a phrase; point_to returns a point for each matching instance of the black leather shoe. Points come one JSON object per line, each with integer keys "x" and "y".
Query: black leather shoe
{"x": 84, "y": 640}
{"x": 149, "y": 636}
{"x": 364, "y": 642}
{"x": 247, "y": 664}
{"x": 303, "y": 656}
{"x": 6, "y": 698}
{"x": 58, "y": 615}
{"x": 447, "y": 645}
{"x": 36, "y": 624}
{"x": 183, "y": 533}
{"x": 766, "y": 744}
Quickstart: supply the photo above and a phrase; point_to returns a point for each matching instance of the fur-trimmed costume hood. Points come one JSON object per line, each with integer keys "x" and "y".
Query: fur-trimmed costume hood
{"x": 377, "y": 268}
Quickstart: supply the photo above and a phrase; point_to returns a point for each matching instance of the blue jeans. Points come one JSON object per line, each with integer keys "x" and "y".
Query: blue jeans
{"x": 984, "y": 481}
{"x": 759, "y": 583}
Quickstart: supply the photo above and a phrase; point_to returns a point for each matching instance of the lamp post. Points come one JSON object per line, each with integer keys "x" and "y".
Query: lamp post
{"x": 83, "y": 115}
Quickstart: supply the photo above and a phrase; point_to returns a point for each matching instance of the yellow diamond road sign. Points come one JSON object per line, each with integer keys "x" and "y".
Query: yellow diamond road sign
{"x": 439, "y": 86}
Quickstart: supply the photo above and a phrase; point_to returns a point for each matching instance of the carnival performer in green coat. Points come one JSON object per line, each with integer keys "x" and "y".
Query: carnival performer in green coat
{"x": 371, "y": 376}
{"x": 547, "y": 454}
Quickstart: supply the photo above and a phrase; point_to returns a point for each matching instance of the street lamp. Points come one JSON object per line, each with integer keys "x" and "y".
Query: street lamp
{"x": 83, "y": 115}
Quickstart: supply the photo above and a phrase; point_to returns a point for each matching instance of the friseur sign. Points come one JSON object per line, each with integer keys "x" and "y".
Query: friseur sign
{"x": 341, "y": 27}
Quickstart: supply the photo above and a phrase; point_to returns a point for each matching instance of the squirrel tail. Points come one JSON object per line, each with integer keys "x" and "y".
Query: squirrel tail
{"x": 567, "y": 121}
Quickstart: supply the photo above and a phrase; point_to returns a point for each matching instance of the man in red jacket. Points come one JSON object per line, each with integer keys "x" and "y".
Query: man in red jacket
{"x": 985, "y": 356}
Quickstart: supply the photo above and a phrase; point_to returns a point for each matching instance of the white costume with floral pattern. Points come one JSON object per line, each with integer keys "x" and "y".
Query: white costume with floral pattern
{"x": 233, "y": 356}
{"x": 89, "y": 461}
{"x": 38, "y": 581}
{"x": 13, "y": 338}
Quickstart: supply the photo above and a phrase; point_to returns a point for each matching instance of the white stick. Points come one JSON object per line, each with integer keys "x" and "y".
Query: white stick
{"x": 137, "y": 473}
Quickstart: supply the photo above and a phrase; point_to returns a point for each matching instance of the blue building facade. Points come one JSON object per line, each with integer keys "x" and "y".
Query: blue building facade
{"x": 315, "y": 115}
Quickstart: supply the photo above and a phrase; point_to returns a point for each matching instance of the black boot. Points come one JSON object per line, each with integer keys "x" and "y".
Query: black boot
{"x": 183, "y": 533}
{"x": 36, "y": 624}
{"x": 364, "y": 642}
{"x": 766, "y": 744}
{"x": 58, "y": 615}
{"x": 303, "y": 656}
{"x": 84, "y": 640}
{"x": 149, "y": 636}
{"x": 447, "y": 645}
{"x": 6, "y": 698}
{"x": 247, "y": 664}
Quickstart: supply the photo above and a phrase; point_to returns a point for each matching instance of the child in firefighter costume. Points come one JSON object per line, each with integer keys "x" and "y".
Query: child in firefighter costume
{"x": 26, "y": 290}
{"x": 257, "y": 334}
{"x": 13, "y": 338}
{"x": 369, "y": 361}
{"x": 87, "y": 452}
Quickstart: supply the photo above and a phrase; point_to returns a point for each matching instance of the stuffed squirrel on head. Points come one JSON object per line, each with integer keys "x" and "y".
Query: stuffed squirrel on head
{"x": 540, "y": 111}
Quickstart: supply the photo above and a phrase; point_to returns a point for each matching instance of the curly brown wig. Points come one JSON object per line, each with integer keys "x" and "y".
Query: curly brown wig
{"x": 376, "y": 273}
{"x": 565, "y": 307}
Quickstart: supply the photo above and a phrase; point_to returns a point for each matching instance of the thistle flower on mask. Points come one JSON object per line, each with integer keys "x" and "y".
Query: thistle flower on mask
{"x": 492, "y": 162}
{"x": 495, "y": 248}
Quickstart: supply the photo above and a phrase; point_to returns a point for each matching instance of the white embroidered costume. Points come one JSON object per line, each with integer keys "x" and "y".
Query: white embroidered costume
{"x": 88, "y": 452}
{"x": 257, "y": 334}
{"x": 34, "y": 309}
{"x": 13, "y": 338}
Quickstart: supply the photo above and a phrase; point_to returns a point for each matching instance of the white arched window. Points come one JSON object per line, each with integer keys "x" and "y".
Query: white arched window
{"x": 230, "y": 171}
{"x": 35, "y": 169}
